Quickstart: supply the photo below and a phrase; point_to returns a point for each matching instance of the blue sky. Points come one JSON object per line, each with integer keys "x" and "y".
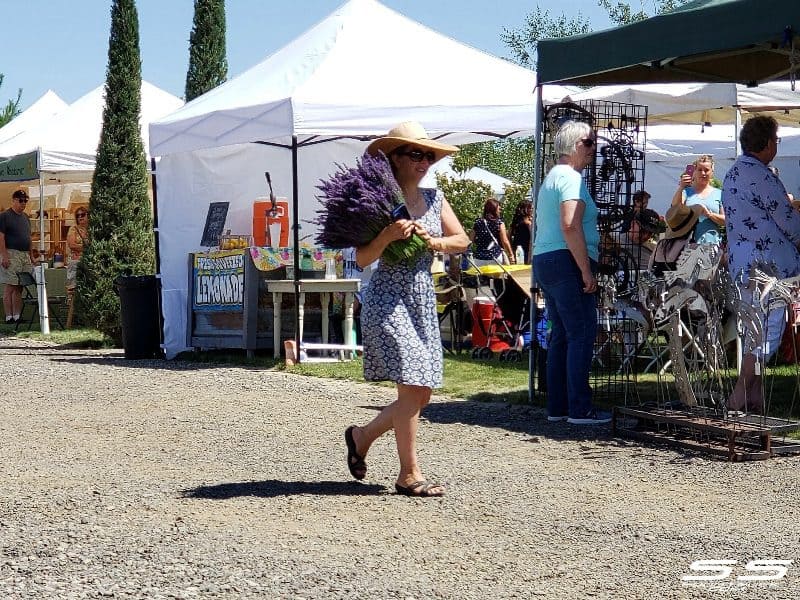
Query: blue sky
{"x": 62, "y": 44}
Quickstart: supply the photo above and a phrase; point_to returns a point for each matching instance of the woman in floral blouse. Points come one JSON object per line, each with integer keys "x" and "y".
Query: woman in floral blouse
{"x": 763, "y": 230}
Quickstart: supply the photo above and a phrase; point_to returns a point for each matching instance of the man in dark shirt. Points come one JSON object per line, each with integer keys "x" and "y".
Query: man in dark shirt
{"x": 15, "y": 249}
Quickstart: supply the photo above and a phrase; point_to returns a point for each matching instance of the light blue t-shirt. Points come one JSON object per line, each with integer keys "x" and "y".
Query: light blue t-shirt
{"x": 706, "y": 231}
{"x": 561, "y": 184}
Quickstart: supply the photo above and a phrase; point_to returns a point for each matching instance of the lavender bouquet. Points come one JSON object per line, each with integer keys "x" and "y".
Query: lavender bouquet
{"x": 357, "y": 203}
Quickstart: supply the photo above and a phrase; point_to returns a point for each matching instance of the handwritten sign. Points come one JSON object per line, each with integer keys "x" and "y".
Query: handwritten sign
{"x": 215, "y": 223}
{"x": 218, "y": 281}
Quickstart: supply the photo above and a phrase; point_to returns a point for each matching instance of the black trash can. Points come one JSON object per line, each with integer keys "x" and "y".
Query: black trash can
{"x": 141, "y": 321}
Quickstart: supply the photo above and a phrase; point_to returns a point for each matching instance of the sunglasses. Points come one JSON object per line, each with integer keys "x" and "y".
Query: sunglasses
{"x": 21, "y": 200}
{"x": 417, "y": 155}
{"x": 588, "y": 142}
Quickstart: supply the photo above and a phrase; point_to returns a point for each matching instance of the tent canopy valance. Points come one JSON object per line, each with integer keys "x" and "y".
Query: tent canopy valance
{"x": 347, "y": 76}
{"x": 740, "y": 41}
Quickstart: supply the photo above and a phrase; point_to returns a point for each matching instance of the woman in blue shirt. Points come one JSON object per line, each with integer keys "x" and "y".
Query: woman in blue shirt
{"x": 694, "y": 188}
{"x": 565, "y": 251}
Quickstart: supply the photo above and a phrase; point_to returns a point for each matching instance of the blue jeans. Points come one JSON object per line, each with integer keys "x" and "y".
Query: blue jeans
{"x": 574, "y": 328}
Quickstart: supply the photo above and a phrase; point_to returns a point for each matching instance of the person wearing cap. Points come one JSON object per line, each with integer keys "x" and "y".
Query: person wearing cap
{"x": 15, "y": 253}
{"x": 695, "y": 189}
{"x": 399, "y": 324}
{"x": 681, "y": 221}
{"x": 763, "y": 230}
{"x": 566, "y": 247}
{"x": 641, "y": 199}
{"x": 643, "y": 227}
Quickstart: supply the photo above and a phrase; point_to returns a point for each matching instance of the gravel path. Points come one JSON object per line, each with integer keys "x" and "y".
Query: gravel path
{"x": 150, "y": 479}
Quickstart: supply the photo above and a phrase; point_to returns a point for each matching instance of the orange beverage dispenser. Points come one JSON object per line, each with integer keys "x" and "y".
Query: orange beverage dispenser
{"x": 271, "y": 227}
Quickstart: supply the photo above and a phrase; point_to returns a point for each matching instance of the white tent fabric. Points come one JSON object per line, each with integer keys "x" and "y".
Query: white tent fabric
{"x": 665, "y": 98}
{"x": 47, "y": 105}
{"x": 445, "y": 167}
{"x": 355, "y": 65}
{"x": 703, "y": 102}
{"x": 671, "y": 147}
{"x": 68, "y": 140}
{"x": 348, "y": 76}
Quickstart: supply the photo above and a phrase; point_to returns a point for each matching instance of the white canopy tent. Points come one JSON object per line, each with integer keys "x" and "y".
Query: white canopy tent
{"x": 310, "y": 105}
{"x": 67, "y": 141}
{"x": 686, "y": 120}
{"x": 47, "y": 105}
{"x": 671, "y": 147}
{"x": 704, "y": 103}
{"x": 445, "y": 167}
{"x": 55, "y": 156}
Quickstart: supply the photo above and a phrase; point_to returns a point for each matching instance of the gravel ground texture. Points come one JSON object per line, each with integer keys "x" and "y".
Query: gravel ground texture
{"x": 167, "y": 479}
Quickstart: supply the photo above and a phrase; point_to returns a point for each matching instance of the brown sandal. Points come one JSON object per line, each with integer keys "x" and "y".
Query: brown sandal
{"x": 424, "y": 488}
{"x": 355, "y": 462}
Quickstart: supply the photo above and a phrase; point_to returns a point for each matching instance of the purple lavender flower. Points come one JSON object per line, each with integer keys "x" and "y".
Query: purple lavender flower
{"x": 357, "y": 203}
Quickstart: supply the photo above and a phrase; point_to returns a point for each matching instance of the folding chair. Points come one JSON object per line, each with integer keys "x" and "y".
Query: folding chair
{"x": 30, "y": 297}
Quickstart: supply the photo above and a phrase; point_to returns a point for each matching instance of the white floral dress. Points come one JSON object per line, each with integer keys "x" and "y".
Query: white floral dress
{"x": 399, "y": 323}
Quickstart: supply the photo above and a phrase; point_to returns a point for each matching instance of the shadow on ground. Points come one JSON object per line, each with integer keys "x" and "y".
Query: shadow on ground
{"x": 526, "y": 419}
{"x": 272, "y": 488}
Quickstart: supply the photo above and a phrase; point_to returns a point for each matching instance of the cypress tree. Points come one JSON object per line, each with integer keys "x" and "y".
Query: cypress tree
{"x": 208, "y": 66}
{"x": 121, "y": 220}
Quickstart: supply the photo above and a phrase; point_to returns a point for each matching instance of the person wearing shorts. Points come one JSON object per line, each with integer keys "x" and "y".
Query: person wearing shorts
{"x": 15, "y": 253}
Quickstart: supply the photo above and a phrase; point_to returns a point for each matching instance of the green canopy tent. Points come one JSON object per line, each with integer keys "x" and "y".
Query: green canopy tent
{"x": 25, "y": 168}
{"x": 740, "y": 41}
{"x": 733, "y": 41}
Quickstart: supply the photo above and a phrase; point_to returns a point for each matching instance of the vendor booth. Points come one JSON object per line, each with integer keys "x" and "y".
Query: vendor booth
{"x": 50, "y": 153}
{"x": 315, "y": 103}
{"x": 753, "y": 42}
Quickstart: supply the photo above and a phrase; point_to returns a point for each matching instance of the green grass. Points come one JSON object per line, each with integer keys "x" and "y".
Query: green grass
{"x": 66, "y": 338}
{"x": 464, "y": 377}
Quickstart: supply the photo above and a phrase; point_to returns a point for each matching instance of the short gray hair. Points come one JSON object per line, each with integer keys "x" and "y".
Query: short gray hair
{"x": 569, "y": 134}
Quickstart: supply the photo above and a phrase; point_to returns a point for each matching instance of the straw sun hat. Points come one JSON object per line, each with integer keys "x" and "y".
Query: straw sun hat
{"x": 681, "y": 220}
{"x": 409, "y": 132}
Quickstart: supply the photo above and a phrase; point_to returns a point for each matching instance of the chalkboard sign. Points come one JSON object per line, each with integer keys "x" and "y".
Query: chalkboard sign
{"x": 215, "y": 223}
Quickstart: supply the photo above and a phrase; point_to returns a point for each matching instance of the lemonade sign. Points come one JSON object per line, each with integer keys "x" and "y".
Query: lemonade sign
{"x": 218, "y": 281}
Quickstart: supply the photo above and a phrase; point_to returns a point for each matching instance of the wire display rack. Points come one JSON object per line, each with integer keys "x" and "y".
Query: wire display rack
{"x": 615, "y": 174}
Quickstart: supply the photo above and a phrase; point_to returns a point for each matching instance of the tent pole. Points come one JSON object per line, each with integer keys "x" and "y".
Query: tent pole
{"x": 737, "y": 128}
{"x": 157, "y": 245}
{"x": 296, "y": 250}
{"x": 44, "y": 314}
{"x": 537, "y": 167}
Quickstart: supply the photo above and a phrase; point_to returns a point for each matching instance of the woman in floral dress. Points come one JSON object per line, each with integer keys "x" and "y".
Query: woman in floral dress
{"x": 399, "y": 323}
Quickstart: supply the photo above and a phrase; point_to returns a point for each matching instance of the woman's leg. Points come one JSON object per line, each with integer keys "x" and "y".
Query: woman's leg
{"x": 402, "y": 415}
{"x": 574, "y": 330}
{"x": 557, "y": 406}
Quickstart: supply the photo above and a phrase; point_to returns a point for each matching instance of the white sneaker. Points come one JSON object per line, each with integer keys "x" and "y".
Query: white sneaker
{"x": 593, "y": 417}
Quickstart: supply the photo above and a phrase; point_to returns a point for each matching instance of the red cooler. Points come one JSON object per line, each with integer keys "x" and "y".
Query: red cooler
{"x": 484, "y": 310}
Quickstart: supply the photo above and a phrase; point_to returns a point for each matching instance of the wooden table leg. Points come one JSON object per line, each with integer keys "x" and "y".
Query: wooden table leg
{"x": 277, "y": 297}
{"x": 325, "y": 299}
{"x": 348, "y": 318}
{"x": 301, "y": 309}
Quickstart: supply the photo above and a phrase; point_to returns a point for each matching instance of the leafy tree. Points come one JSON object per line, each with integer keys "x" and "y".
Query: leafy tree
{"x": 121, "y": 224}
{"x": 465, "y": 196}
{"x": 539, "y": 24}
{"x": 513, "y": 195}
{"x": 11, "y": 109}
{"x": 511, "y": 158}
{"x": 621, "y": 13}
{"x": 208, "y": 66}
